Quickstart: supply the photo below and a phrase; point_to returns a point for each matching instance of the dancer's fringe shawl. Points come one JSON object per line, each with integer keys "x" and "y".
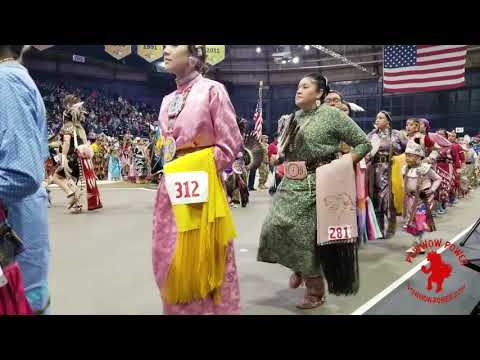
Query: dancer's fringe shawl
{"x": 204, "y": 231}
{"x": 336, "y": 207}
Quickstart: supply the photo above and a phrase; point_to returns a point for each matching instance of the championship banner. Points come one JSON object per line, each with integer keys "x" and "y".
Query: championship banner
{"x": 42, "y": 47}
{"x": 150, "y": 52}
{"x": 93, "y": 195}
{"x": 215, "y": 54}
{"x": 118, "y": 51}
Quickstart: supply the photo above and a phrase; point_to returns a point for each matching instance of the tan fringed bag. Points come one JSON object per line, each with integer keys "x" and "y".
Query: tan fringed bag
{"x": 336, "y": 201}
{"x": 337, "y": 229}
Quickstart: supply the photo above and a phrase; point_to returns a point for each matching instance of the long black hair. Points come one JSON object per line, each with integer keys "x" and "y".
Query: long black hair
{"x": 15, "y": 49}
{"x": 387, "y": 115}
{"x": 322, "y": 84}
{"x": 347, "y": 104}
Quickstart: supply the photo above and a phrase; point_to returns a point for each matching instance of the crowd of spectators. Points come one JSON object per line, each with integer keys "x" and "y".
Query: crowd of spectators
{"x": 108, "y": 114}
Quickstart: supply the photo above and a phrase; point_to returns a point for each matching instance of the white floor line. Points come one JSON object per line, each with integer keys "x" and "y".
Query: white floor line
{"x": 133, "y": 188}
{"x": 100, "y": 182}
{"x": 365, "y": 307}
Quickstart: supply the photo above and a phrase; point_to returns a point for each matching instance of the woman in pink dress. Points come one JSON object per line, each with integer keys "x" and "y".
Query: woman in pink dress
{"x": 204, "y": 118}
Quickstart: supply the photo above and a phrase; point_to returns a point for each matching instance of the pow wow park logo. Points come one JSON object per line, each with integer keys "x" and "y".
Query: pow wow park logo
{"x": 437, "y": 272}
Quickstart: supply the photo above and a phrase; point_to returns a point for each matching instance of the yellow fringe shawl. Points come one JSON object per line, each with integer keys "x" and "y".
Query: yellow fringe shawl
{"x": 397, "y": 182}
{"x": 204, "y": 230}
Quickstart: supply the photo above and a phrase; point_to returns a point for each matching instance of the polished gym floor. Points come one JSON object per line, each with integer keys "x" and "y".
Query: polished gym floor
{"x": 101, "y": 261}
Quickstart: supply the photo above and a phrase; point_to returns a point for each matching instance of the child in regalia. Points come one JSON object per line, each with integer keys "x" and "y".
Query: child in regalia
{"x": 420, "y": 184}
{"x": 114, "y": 165}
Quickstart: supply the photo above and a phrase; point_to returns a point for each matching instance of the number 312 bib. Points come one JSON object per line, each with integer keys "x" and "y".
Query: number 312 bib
{"x": 187, "y": 187}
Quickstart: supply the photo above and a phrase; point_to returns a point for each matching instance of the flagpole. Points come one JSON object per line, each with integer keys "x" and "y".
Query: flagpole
{"x": 260, "y": 105}
{"x": 381, "y": 81}
{"x": 260, "y": 85}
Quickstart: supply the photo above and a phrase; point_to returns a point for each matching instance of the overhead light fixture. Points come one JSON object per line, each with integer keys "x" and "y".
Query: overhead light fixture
{"x": 306, "y": 47}
{"x": 295, "y": 60}
{"x": 259, "y": 49}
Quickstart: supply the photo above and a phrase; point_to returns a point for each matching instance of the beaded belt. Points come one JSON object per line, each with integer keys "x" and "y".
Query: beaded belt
{"x": 298, "y": 170}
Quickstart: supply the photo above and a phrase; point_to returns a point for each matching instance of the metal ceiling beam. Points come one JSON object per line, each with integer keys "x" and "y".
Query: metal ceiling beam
{"x": 305, "y": 59}
{"x": 325, "y": 67}
{"x": 342, "y": 58}
{"x": 329, "y": 58}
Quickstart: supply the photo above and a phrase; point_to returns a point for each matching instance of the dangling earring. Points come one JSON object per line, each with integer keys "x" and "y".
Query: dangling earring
{"x": 192, "y": 61}
{"x": 318, "y": 102}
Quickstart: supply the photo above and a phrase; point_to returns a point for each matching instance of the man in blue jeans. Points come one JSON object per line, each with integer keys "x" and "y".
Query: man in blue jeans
{"x": 23, "y": 151}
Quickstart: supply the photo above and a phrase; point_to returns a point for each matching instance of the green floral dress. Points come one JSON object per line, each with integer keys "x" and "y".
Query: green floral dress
{"x": 288, "y": 235}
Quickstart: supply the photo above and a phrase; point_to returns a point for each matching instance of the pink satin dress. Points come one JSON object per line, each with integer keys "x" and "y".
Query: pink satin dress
{"x": 207, "y": 119}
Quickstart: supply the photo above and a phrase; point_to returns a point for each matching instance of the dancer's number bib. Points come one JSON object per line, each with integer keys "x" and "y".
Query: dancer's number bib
{"x": 187, "y": 187}
{"x": 339, "y": 232}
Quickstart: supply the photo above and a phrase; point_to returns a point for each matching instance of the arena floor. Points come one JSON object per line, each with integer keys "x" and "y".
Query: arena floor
{"x": 101, "y": 261}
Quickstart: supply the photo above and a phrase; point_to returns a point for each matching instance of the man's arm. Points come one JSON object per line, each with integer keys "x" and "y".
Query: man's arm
{"x": 21, "y": 146}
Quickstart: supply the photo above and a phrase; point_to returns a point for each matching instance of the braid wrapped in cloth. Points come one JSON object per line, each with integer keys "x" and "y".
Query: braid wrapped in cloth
{"x": 288, "y": 129}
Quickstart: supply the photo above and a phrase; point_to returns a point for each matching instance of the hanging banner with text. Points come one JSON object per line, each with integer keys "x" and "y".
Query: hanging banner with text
{"x": 118, "y": 51}
{"x": 78, "y": 58}
{"x": 150, "y": 52}
{"x": 215, "y": 54}
{"x": 42, "y": 47}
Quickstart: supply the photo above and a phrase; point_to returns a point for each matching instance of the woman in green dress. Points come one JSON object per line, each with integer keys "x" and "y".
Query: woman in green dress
{"x": 288, "y": 236}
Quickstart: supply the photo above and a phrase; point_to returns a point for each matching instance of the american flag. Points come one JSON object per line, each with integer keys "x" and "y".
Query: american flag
{"x": 417, "y": 68}
{"x": 257, "y": 116}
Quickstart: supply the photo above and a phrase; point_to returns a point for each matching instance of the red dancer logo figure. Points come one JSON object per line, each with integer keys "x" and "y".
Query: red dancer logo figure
{"x": 439, "y": 271}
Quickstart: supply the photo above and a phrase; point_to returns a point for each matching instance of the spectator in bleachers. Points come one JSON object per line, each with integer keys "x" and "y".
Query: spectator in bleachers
{"x": 110, "y": 114}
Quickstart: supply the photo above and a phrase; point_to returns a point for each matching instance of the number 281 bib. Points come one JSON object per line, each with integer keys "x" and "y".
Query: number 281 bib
{"x": 343, "y": 232}
{"x": 187, "y": 187}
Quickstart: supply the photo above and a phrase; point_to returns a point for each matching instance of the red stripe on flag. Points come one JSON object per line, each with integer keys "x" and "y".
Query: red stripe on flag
{"x": 425, "y": 46}
{"x": 428, "y": 88}
{"x": 439, "y": 61}
{"x": 439, "y": 52}
{"x": 429, "y": 71}
{"x": 438, "y": 78}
